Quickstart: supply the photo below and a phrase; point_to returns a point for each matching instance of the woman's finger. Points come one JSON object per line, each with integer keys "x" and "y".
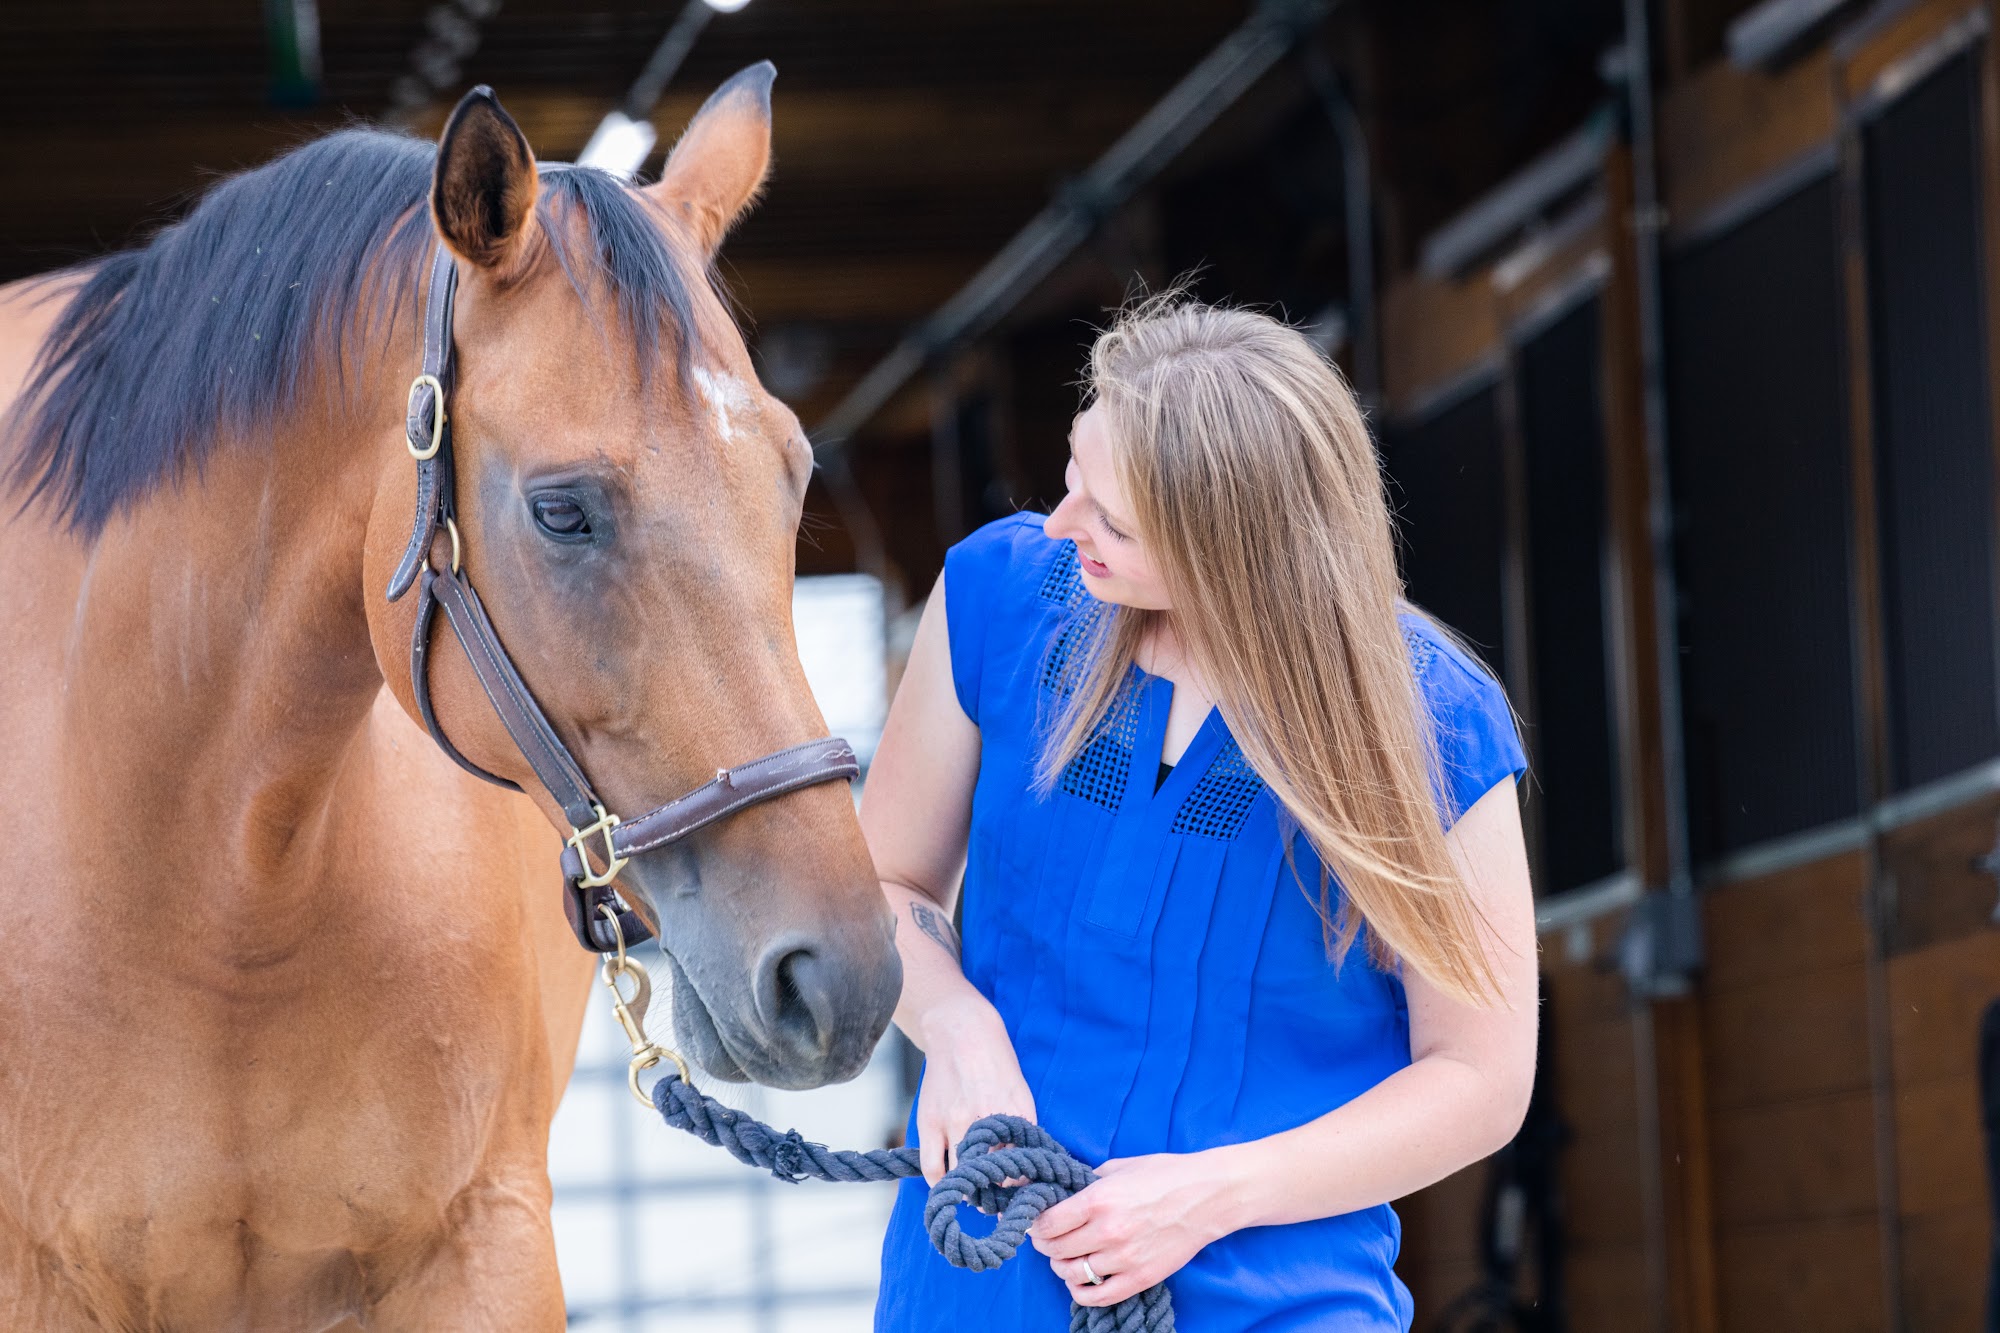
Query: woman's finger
{"x": 1066, "y": 1216}
{"x": 1103, "y": 1263}
{"x": 930, "y": 1149}
{"x": 959, "y": 1124}
{"x": 1115, "y": 1288}
{"x": 1072, "y": 1244}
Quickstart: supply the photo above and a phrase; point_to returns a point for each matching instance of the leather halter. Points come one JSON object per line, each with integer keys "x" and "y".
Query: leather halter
{"x": 587, "y": 891}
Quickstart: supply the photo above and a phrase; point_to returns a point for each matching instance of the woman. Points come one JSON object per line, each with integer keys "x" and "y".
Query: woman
{"x": 1190, "y": 747}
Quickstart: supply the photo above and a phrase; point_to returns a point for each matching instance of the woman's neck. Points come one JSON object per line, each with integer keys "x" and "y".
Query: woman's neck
{"x": 1161, "y": 652}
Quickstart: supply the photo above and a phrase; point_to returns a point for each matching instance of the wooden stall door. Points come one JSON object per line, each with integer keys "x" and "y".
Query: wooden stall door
{"x": 1761, "y": 462}
{"x": 1922, "y": 107}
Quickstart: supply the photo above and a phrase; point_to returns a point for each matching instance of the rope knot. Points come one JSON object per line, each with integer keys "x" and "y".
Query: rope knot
{"x": 790, "y": 1157}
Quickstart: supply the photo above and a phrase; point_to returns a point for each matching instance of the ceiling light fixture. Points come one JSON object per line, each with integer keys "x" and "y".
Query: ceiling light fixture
{"x": 624, "y": 139}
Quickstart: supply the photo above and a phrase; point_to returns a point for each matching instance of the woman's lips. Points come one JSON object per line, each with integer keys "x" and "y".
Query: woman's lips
{"x": 1093, "y": 567}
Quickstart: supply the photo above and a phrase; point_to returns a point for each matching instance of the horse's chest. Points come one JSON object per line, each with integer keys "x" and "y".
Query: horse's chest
{"x": 228, "y": 1159}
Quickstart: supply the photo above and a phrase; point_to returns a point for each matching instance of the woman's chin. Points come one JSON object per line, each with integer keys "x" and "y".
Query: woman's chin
{"x": 1104, "y": 587}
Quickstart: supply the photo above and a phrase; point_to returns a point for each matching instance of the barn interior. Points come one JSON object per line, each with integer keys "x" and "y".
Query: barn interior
{"x": 1672, "y": 318}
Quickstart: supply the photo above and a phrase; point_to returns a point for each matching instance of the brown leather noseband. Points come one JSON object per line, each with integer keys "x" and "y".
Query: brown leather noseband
{"x": 587, "y": 890}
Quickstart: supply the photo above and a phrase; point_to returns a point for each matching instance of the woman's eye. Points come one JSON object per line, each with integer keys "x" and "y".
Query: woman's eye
{"x": 560, "y": 517}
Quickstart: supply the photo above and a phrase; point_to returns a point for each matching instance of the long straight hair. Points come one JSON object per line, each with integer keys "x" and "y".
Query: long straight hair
{"x": 1256, "y": 486}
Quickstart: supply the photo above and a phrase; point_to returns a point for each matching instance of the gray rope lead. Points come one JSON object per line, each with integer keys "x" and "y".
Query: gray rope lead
{"x": 997, "y": 1149}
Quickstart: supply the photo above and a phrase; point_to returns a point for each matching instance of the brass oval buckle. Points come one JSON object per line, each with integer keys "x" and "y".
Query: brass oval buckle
{"x": 613, "y": 862}
{"x": 437, "y": 415}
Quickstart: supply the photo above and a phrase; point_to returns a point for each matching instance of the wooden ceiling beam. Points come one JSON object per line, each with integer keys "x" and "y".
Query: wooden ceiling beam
{"x": 128, "y": 55}
{"x": 877, "y": 289}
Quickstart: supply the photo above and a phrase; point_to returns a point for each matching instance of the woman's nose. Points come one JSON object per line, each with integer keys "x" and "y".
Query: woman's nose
{"x": 1059, "y": 524}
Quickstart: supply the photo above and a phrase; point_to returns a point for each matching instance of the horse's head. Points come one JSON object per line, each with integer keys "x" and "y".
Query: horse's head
{"x": 629, "y": 496}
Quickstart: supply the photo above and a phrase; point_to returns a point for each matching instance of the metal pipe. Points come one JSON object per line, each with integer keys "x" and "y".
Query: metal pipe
{"x": 1529, "y": 194}
{"x": 1188, "y": 108}
{"x": 1662, "y": 944}
{"x": 947, "y": 458}
{"x": 666, "y": 59}
{"x": 1357, "y": 197}
{"x": 1648, "y": 221}
{"x": 871, "y": 554}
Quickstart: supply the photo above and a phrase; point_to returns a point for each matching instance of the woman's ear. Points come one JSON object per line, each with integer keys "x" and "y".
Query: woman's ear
{"x": 483, "y": 189}
{"x": 719, "y": 164}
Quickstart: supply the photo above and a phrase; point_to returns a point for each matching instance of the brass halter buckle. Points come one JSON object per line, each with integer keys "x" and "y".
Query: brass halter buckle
{"x": 631, "y": 1013}
{"x": 613, "y": 862}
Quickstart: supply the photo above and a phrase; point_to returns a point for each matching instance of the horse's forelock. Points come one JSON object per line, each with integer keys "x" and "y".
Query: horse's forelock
{"x": 224, "y": 322}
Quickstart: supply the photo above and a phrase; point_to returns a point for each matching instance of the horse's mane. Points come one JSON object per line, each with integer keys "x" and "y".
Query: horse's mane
{"x": 226, "y": 320}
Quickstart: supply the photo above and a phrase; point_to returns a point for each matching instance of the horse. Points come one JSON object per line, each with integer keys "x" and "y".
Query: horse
{"x": 289, "y": 997}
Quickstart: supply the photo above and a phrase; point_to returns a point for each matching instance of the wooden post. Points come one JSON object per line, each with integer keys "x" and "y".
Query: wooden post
{"x": 1667, "y": 1034}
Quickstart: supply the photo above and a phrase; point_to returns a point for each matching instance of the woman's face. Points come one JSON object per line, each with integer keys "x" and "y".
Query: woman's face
{"x": 1116, "y": 564}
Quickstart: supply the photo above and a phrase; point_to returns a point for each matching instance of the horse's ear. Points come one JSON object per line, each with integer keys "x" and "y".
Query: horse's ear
{"x": 483, "y": 190}
{"x": 715, "y": 170}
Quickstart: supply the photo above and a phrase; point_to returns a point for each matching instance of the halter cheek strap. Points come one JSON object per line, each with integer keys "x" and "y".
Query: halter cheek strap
{"x": 595, "y": 834}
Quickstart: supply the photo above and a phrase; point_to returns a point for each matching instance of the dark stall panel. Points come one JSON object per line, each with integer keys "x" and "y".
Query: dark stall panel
{"x": 1759, "y": 445}
{"x": 1445, "y": 484}
{"x": 1933, "y": 450}
{"x": 1561, "y": 417}
{"x": 1045, "y": 365}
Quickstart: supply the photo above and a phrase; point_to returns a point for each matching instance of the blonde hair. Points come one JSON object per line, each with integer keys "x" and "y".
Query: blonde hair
{"x": 1253, "y": 479}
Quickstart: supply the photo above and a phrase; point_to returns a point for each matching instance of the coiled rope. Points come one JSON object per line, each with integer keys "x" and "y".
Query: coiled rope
{"x": 996, "y": 1149}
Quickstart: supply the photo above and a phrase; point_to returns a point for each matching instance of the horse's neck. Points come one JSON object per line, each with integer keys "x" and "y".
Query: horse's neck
{"x": 219, "y": 669}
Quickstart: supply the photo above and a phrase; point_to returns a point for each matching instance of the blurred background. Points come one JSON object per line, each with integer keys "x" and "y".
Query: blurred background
{"x": 1673, "y": 320}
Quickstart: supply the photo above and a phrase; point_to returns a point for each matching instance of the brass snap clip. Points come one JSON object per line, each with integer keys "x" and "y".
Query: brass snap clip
{"x": 631, "y": 1012}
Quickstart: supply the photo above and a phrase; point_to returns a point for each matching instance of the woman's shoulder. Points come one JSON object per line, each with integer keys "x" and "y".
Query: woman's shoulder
{"x": 1472, "y": 722}
{"x": 1444, "y": 668}
{"x": 1000, "y": 584}
{"x": 1007, "y": 540}
{"x": 1008, "y": 555}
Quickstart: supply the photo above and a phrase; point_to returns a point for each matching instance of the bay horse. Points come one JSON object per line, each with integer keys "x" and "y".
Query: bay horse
{"x": 288, "y": 998}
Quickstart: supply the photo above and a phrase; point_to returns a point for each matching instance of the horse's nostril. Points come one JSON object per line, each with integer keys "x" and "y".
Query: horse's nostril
{"x": 797, "y": 998}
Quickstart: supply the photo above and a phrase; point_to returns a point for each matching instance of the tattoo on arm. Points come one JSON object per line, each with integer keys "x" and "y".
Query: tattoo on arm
{"x": 934, "y": 924}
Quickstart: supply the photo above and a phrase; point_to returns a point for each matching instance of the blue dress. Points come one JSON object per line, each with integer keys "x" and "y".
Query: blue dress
{"x": 1160, "y": 972}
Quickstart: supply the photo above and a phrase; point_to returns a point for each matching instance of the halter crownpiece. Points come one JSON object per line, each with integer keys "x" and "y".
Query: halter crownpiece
{"x": 599, "y": 842}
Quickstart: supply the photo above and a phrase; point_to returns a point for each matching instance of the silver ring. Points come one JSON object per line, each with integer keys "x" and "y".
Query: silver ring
{"x": 1090, "y": 1277}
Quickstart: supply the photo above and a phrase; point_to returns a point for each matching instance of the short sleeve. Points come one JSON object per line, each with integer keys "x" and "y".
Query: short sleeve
{"x": 978, "y": 577}
{"x": 1477, "y": 743}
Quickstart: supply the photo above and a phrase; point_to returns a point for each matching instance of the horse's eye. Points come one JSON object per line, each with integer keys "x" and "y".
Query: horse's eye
{"x": 560, "y": 516}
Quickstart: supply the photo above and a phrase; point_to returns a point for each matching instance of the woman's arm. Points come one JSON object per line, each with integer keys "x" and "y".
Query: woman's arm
{"x": 915, "y": 811}
{"x": 1461, "y": 1098}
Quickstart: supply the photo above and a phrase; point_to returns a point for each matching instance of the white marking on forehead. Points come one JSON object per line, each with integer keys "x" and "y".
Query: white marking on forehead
{"x": 726, "y": 395}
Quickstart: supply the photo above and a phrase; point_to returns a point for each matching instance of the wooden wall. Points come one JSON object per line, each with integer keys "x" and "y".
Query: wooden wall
{"x": 1943, "y": 970}
{"x": 1596, "y": 1072}
{"x": 1796, "y": 1142}
{"x": 1784, "y": 1015}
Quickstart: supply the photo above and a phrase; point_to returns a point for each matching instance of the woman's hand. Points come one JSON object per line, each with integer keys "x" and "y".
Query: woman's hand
{"x": 970, "y": 1072}
{"x": 1138, "y": 1224}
